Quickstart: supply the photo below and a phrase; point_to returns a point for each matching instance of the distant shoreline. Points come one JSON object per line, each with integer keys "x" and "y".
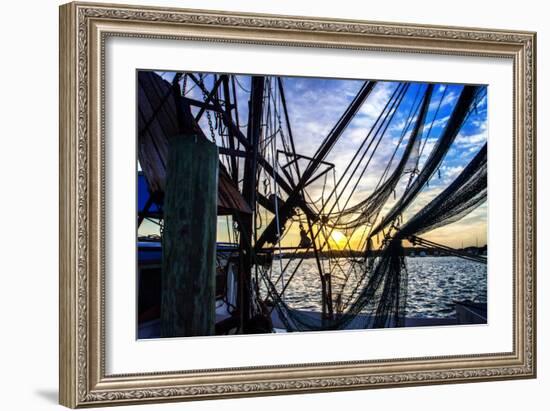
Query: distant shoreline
{"x": 408, "y": 251}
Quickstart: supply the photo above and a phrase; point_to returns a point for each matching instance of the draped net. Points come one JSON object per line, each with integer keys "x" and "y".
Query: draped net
{"x": 379, "y": 299}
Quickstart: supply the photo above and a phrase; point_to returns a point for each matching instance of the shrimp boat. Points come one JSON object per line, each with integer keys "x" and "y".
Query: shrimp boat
{"x": 204, "y": 156}
{"x": 149, "y": 275}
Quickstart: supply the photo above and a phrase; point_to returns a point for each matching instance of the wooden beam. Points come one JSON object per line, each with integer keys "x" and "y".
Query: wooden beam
{"x": 201, "y": 104}
{"x": 249, "y": 191}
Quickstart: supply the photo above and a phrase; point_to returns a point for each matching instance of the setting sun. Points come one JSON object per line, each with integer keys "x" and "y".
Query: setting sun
{"x": 338, "y": 239}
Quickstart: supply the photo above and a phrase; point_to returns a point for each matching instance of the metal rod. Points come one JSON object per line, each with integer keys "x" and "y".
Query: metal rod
{"x": 323, "y": 150}
{"x": 209, "y": 97}
{"x": 228, "y": 121}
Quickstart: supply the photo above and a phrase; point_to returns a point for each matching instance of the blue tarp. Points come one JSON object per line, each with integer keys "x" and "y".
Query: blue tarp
{"x": 143, "y": 195}
{"x": 149, "y": 252}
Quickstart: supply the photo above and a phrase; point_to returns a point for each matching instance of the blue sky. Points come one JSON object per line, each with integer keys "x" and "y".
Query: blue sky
{"x": 314, "y": 107}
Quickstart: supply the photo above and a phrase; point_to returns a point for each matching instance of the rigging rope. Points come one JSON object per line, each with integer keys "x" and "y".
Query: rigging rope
{"x": 384, "y": 293}
{"x": 379, "y": 294}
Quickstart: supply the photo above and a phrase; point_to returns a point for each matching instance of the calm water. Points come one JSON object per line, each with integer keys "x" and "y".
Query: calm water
{"x": 434, "y": 284}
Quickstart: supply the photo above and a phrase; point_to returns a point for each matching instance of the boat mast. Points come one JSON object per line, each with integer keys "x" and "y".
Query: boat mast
{"x": 249, "y": 188}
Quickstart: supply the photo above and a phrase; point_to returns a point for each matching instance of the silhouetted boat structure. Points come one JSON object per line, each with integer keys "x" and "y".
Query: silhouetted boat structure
{"x": 261, "y": 176}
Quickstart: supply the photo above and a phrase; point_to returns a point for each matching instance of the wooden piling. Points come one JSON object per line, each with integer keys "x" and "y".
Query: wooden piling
{"x": 189, "y": 238}
{"x": 326, "y": 297}
{"x": 330, "y": 309}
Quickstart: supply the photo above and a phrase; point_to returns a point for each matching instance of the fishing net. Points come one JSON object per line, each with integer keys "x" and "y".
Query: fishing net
{"x": 381, "y": 301}
{"x": 463, "y": 105}
{"x": 371, "y": 206}
{"x": 378, "y": 295}
{"x": 464, "y": 194}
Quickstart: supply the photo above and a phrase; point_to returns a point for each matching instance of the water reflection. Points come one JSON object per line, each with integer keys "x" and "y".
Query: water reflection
{"x": 433, "y": 286}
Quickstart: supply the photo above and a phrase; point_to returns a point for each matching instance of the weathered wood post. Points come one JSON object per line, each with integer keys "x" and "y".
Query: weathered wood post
{"x": 189, "y": 238}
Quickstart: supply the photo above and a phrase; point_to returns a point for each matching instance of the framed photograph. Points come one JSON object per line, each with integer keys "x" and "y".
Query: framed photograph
{"x": 259, "y": 204}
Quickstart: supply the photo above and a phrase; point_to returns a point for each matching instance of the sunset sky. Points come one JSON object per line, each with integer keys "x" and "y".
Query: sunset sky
{"x": 315, "y": 105}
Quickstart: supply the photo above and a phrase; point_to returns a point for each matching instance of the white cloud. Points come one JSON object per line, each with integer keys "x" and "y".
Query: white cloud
{"x": 473, "y": 140}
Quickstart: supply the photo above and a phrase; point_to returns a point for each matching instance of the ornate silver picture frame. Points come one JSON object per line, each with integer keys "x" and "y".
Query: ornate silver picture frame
{"x": 84, "y": 30}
